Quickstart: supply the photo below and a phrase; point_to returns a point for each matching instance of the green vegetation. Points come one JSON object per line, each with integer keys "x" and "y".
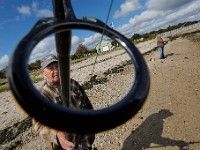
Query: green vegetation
{"x": 4, "y": 88}
{"x": 36, "y": 79}
{"x": 3, "y": 81}
{"x": 34, "y": 66}
{"x": 3, "y": 73}
{"x": 3, "y": 85}
{"x": 34, "y": 75}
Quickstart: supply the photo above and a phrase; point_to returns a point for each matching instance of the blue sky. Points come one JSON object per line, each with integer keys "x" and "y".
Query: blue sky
{"x": 129, "y": 16}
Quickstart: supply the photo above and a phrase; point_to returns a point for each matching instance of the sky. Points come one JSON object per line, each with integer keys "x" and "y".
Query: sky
{"x": 17, "y": 17}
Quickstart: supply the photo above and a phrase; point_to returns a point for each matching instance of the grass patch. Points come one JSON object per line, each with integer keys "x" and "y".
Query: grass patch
{"x": 34, "y": 75}
{"x": 35, "y": 79}
{"x": 4, "y": 88}
{"x": 4, "y": 85}
{"x": 3, "y": 81}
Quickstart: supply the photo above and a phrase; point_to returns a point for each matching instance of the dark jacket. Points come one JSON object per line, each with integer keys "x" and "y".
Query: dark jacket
{"x": 160, "y": 42}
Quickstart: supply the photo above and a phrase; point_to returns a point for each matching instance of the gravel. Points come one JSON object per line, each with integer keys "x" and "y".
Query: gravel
{"x": 168, "y": 120}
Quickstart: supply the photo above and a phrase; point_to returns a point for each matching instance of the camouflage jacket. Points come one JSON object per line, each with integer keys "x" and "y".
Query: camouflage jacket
{"x": 79, "y": 100}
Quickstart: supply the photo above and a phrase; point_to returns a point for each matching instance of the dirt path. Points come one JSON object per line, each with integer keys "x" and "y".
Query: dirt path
{"x": 171, "y": 113}
{"x": 169, "y": 119}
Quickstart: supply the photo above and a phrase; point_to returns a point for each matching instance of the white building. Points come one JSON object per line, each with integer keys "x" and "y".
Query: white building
{"x": 105, "y": 45}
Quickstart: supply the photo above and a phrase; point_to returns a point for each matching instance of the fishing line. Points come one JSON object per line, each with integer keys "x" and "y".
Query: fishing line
{"x": 108, "y": 14}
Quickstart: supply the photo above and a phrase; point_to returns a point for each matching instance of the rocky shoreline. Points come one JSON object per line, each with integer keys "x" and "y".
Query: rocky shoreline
{"x": 162, "y": 123}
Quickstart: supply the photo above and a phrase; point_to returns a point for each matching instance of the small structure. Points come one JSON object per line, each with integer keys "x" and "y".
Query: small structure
{"x": 105, "y": 45}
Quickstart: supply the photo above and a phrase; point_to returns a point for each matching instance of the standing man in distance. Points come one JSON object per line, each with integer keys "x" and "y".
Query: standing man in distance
{"x": 160, "y": 45}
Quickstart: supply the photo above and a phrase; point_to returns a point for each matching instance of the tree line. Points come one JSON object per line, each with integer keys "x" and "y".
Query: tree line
{"x": 152, "y": 34}
{"x": 81, "y": 51}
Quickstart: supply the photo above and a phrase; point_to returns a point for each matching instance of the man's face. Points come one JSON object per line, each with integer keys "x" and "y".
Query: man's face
{"x": 52, "y": 73}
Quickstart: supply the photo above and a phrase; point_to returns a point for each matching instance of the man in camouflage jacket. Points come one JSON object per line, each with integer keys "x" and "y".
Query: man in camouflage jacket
{"x": 59, "y": 140}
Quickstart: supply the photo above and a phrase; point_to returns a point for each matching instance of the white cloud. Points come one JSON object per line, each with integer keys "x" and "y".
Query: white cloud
{"x": 43, "y": 48}
{"x": 141, "y": 23}
{"x": 92, "y": 40}
{"x": 44, "y": 13}
{"x": 166, "y": 4}
{"x": 40, "y": 12}
{"x": 33, "y": 9}
{"x": 157, "y": 14}
{"x": 4, "y": 59}
{"x": 187, "y": 13}
{"x": 75, "y": 40}
{"x": 75, "y": 43}
{"x": 153, "y": 18}
{"x": 24, "y": 10}
{"x": 47, "y": 46}
{"x": 127, "y": 7}
{"x": 145, "y": 16}
{"x": 89, "y": 42}
{"x": 34, "y": 5}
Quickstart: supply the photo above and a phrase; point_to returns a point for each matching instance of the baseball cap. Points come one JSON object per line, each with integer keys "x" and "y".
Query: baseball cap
{"x": 45, "y": 61}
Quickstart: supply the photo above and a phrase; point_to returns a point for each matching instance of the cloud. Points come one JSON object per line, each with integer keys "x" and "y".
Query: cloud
{"x": 33, "y": 9}
{"x": 44, "y": 13}
{"x": 4, "y": 59}
{"x": 153, "y": 18}
{"x": 41, "y": 12}
{"x": 75, "y": 40}
{"x": 43, "y": 48}
{"x": 47, "y": 46}
{"x": 145, "y": 16}
{"x": 34, "y": 5}
{"x": 75, "y": 43}
{"x": 186, "y": 13}
{"x": 92, "y": 40}
{"x": 126, "y": 8}
{"x": 166, "y": 4}
{"x": 24, "y": 10}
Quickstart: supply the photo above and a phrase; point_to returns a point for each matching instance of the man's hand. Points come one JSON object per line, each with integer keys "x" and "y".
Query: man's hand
{"x": 65, "y": 144}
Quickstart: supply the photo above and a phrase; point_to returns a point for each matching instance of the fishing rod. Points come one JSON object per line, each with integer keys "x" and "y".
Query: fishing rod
{"x": 78, "y": 121}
